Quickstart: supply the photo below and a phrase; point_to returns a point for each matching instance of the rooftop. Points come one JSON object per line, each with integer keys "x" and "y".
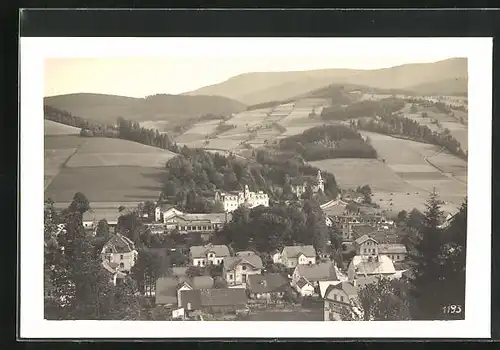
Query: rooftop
{"x": 347, "y": 287}
{"x": 318, "y": 272}
{"x": 119, "y": 244}
{"x": 380, "y": 265}
{"x": 364, "y": 239}
{"x": 273, "y": 282}
{"x": 214, "y": 297}
{"x": 392, "y": 249}
{"x": 201, "y": 251}
{"x": 297, "y": 250}
{"x": 244, "y": 257}
{"x": 166, "y": 287}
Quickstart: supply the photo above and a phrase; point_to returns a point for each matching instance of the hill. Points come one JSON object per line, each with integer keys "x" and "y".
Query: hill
{"x": 107, "y": 108}
{"x": 254, "y": 88}
{"x": 51, "y": 128}
{"x": 449, "y": 87}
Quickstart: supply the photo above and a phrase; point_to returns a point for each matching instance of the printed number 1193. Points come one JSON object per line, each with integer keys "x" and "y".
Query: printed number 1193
{"x": 452, "y": 309}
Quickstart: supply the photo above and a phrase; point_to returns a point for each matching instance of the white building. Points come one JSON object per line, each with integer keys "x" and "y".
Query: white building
{"x": 233, "y": 200}
{"x": 119, "y": 254}
{"x": 299, "y": 185}
{"x": 291, "y": 256}
{"x": 208, "y": 254}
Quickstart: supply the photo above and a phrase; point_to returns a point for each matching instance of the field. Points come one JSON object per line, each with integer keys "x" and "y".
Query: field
{"x": 106, "y": 184}
{"x": 403, "y": 181}
{"x": 51, "y": 128}
{"x": 103, "y": 152}
{"x": 105, "y": 170}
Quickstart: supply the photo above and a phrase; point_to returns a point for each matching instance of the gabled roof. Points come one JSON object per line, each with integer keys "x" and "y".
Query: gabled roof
{"x": 119, "y": 244}
{"x": 364, "y": 238}
{"x": 214, "y": 297}
{"x": 166, "y": 287}
{"x": 297, "y": 250}
{"x": 347, "y": 287}
{"x": 273, "y": 282}
{"x": 243, "y": 257}
{"x": 381, "y": 265}
{"x": 199, "y": 251}
{"x": 318, "y": 272}
{"x": 209, "y": 218}
{"x": 392, "y": 249}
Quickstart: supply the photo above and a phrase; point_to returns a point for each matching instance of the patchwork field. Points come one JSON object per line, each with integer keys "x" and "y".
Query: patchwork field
{"x": 403, "y": 181}
{"x": 51, "y": 128}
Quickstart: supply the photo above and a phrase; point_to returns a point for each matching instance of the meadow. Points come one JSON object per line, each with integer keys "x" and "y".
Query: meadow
{"x": 51, "y": 128}
{"x": 104, "y": 169}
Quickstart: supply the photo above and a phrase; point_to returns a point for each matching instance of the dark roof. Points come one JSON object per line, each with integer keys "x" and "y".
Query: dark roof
{"x": 202, "y": 251}
{"x": 302, "y": 282}
{"x": 318, "y": 272}
{"x": 119, "y": 244}
{"x": 214, "y": 297}
{"x": 363, "y": 239}
{"x": 297, "y": 250}
{"x": 166, "y": 287}
{"x": 273, "y": 282}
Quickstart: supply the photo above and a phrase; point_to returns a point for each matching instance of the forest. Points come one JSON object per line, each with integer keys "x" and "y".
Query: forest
{"x": 329, "y": 141}
{"x": 362, "y": 109}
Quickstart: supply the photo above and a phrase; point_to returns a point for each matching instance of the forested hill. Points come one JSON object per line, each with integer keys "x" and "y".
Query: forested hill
{"x": 192, "y": 178}
{"x": 107, "y": 108}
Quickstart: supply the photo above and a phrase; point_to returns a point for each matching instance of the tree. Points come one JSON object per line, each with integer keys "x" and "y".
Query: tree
{"x": 79, "y": 204}
{"x": 384, "y": 300}
{"x": 402, "y": 215}
{"x": 428, "y": 281}
{"x": 146, "y": 270}
{"x": 102, "y": 229}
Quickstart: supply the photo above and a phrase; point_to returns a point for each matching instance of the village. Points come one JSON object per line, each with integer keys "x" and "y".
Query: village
{"x": 215, "y": 282}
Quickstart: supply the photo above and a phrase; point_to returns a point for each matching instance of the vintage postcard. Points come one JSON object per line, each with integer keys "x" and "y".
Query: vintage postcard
{"x": 300, "y": 187}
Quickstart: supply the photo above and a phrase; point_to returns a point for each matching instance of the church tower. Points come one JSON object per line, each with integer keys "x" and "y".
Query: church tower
{"x": 321, "y": 184}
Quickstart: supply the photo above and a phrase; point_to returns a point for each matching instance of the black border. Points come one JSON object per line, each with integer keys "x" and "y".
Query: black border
{"x": 270, "y": 23}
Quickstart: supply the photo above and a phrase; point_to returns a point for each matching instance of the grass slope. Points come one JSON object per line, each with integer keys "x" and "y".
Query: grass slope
{"x": 51, "y": 128}
{"x": 107, "y": 108}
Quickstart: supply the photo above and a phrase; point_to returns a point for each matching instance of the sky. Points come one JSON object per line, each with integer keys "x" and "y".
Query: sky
{"x": 183, "y": 68}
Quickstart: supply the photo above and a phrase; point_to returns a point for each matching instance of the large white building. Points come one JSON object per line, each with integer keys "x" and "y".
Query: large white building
{"x": 233, "y": 200}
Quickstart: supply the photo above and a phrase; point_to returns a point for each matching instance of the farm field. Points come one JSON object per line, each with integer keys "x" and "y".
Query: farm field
{"x": 51, "y": 128}
{"x": 57, "y": 150}
{"x": 106, "y": 184}
{"x": 103, "y": 152}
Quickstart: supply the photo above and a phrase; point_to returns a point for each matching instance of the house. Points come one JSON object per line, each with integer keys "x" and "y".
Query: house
{"x": 237, "y": 269}
{"x": 223, "y": 300}
{"x": 315, "y": 273}
{"x": 299, "y": 185}
{"x": 397, "y": 252}
{"x": 268, "y": 286}
{"x": 115, "y": 274}
{"x": 363, "y": 266}
{"x": 233, "y": 200}
{"x": 208, "y": 254}
{"x": 91, "y": 217}
{"x": 340, "y": 299}
{"x": 196, "y": 223}
{"x": 164, "y": 211}
{"x": 366, "y": 246}
{"x": 276, "y": 256}
{"x": 119, "y": 253}
{"x": 168, "y": 289}
{"x": 292, "y": 256}
{"x": 304, "y": 287}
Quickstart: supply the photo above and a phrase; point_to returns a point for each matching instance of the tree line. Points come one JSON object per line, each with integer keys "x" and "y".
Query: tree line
{"x": 360, "y": 109}
{"x": 329, "y": 141}
{"x": 403, "y": 126}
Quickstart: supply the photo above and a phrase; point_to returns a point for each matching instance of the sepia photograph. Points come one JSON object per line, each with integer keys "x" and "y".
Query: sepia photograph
{"x": 241, "y": 179}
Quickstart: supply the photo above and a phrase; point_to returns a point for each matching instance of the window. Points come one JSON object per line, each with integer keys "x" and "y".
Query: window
{"x": 244, "y": 267}
{"x": 341, "y": 298}
{"x": 397, "y": 257}
{"x": 122, "y": 266}
{"x": 231, "y": 276}
{"x": 244, "y": 278}
{"x": 335, "y": 297}
{"x": 364, "y": 250}
{"x": 198, "y": 262}
{"x": 121, "y": 256}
